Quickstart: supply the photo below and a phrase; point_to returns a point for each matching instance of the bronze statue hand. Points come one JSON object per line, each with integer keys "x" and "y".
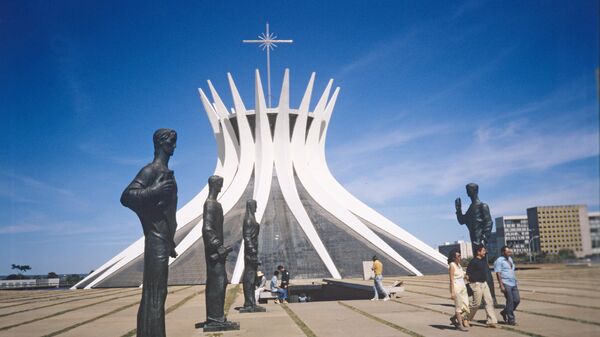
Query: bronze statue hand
{"x": 173, "y": 253}
{"x": 223, "y": 251}
{"x": 163, "y": 186}
{"x": 458, "y": 205}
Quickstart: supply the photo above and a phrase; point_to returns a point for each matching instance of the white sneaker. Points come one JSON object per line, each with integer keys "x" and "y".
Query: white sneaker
{"x": 387, "y": 298}
{"x": 375, "y": 299}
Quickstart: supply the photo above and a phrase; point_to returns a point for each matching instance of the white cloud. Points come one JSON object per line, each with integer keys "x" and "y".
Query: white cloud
{"x": 32, "y": 183}
{"x": 494, "y": 153}
{"x": 25, "y": 228}
{"x": 569, "y": 191}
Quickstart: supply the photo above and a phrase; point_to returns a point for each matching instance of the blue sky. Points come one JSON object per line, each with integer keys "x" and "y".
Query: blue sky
{"x": 433, "y": 95}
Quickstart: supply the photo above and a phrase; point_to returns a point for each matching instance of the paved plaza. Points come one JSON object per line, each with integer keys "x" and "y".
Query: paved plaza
{"x": 556, "y": 301}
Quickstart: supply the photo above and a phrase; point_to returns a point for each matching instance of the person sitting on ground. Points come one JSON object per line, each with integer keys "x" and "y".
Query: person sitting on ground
{"x": 280, "y": 292}
{"x": 458, "y": 291}
{"x": 397, "y": 283}
{"x": 261, "y": 282}
{"x": 377, "y": 285}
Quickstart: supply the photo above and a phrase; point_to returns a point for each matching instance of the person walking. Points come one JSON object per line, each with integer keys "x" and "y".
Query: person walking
{"x": 505, "y": 272}
{"x": 280, "y": 292}
{"x": 377, "y": 285}
{"x": 477, "y": 272}
{"x": 458, "y": 291}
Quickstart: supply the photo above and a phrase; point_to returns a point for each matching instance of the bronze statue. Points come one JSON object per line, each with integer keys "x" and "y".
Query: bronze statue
{"x": 479, "y": 222}
{"x": 215, "y": 255}
{"x": 478, "y": 218}
{"x": 152, "y": 195}
{"x": 250, "y": 231}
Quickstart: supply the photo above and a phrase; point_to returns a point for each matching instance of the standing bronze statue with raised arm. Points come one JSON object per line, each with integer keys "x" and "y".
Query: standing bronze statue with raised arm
{"x": 152, "y": 195}
{"x": 479, "y": 222}
{"x": 215, "y": 254}
{"x": 250, "y": 231}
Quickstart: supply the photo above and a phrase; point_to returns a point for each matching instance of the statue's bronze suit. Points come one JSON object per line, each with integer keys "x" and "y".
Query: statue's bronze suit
{"x": 479, "y": 222}
{"x": 152, "y": 195}
{"x": 215, "y": 254}
{"x": 250, "y": 231}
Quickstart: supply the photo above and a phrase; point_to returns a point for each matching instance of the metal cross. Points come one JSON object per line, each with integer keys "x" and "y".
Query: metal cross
{"x": 267, "y": 42}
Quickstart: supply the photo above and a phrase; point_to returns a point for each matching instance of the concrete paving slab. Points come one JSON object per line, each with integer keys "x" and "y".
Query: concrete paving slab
{"x": 330, "y": 319}
{"x": 421, "y": 321}
{"x": 124, "y": 321}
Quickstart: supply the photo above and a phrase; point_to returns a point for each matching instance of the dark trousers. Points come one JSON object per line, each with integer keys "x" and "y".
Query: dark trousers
{"x": 512, "y": 301}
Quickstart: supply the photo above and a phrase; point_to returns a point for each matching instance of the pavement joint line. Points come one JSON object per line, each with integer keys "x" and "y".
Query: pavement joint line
{"x": 6, "y": 327}
{"x": 381, "y": 320}
{"x": 532, "y": 299}
{"x": 536, "y": 281}
{"x": 114, "y": 311}
{"x": 526, "y": 333}
{"x": 578, "y": 320}
{"x": 71, "y": 327}
{"x": 172, "y": 308}
{"x": 68, "y": 301}
{"x": 299, "y": 322}
{"x": 521, "y": 281}
{"x": 520, "y": 289}
{"x": 47, "y": 297}
{"x": 55, "y": 295}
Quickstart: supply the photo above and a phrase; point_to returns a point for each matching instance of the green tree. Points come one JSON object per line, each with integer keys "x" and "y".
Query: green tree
{"x": 22, "y": 268}
{"x": 566, "y": 254}
{"x": 52, "y": 275}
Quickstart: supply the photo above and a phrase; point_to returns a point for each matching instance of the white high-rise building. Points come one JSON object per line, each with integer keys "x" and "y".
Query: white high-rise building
{"x": 309, "y": 222}
{"x": 513, "y": 231}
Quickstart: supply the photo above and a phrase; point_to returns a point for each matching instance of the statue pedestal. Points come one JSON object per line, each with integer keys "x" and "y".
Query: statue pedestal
{"x": 257, "y": 308}
{"x": 216, "y": 326}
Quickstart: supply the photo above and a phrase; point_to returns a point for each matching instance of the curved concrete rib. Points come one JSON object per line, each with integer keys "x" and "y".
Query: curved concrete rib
{"x": 263, "y": 165}
{"x": 238, "y": 172}
{"x": 264, "y": 151}
{"x": 244, "y": 174}
{"x": 321, "y": 196}
{"x": 285, "y": 176}
{"x": 318, "y": 164}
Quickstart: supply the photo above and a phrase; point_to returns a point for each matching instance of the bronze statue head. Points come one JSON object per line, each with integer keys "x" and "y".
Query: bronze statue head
{"x": 472, "y": 190}
{"x": 251, "y": 206}
{"x": 165, "y": 139}
{"x": 215, "y": 183}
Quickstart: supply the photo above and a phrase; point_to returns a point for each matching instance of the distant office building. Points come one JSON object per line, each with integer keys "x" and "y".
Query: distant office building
{"x": 513, "y": 231}
{"x": 465, "y": 248}
{"x": 594, "y": 218}
{"x": 561, "y": 227}
{"x": 493, "y": 245}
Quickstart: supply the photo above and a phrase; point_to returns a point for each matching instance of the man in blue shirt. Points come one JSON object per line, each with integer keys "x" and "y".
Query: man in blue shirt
{"x": 505, "y": 272}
